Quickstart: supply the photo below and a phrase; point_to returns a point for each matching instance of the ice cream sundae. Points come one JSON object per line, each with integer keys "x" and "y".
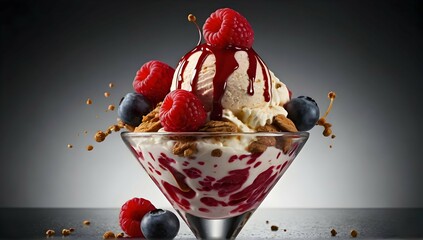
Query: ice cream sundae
{"x": 216, "y": 132}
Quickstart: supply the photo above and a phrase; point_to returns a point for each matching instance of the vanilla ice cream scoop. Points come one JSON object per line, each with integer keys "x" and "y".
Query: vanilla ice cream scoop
{"x": 232, "y": 79}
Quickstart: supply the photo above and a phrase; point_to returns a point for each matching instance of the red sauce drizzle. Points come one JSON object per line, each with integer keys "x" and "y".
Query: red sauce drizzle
{"x": 266, "y": 77}
{"x": 226, "y": 64}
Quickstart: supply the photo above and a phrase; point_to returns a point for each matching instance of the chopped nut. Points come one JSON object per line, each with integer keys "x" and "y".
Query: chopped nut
{"x": 333, "y": 232}
{"x": 90, "y": 147}
{"x": 111, "y": 85}
{"x": 219, "y": 126}
{"x": 72, "y": 229}
{"x": 89, "y": 101}
{"x": 354, "y": 233}
{"x": 267, "y": 128}
{"x": 86, "y": 222}
{"x": 261, "y": 144}
{"x": 106, "y": 94}
{"x": 274, "y": 228}
{"x": 99, "y": 136}
{"x": 216, "y": 152}
{"x": 120, "y": 235}
{"x": 150, "y": 122}
{"x": 333, "y": 136}
{"x": 65, "y": 232}
{"x": 284, "y": 144}
{"x": 284, "y": 124}
{"x": 70, "y": 146}
{"x": 108, "y": 235}
{"x": 256, "y": 147}
{"x": 268, "y": 141}
{"x": 185, "y": 148}
{"x": 50, "y": 233}
{"x": 111, "y": 107}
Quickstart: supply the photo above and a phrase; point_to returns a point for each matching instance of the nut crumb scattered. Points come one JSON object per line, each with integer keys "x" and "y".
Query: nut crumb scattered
{"x": 120, "y": 123}
{"x": 90, "y": 147}
{"x": 50, "y": 233}
{"x": 99, "y": 136}
{"x": 108, "y": 235}
{"x": 115, "y": 128}
{"x": 106, "y": 94}
{"x": 120, "y": 235}
{"x": 267, "y": 222}
{"x": 89, "y": 101}
{"x": 333, "y": 232}
{"x": 111, "y": 85}
{"x": 72, "y": 229}
{"x": 70, "y": 146}
{"x": 354, "y": 233}
{"x": 65, "y": 232}
{"x": 274, "y": 228}
{"x": 86, "y": 222}
{"x": 111, "y": 107}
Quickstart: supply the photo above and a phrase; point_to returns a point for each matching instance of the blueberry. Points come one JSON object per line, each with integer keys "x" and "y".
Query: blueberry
{"x": 132, "y": 108}
{"x": 160, "y": 224}
{"x": 303, "y": 111}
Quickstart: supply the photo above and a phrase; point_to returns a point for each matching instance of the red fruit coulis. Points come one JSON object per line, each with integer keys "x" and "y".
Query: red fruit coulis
{"x": 227, "y": 191}
{"x": 226, "y": 64}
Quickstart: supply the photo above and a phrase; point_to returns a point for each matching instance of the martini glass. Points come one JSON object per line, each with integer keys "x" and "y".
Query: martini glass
{"x": 215, "y": 181}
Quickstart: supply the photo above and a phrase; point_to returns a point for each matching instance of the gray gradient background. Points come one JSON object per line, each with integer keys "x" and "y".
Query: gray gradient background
{"x": 56, "y": 54}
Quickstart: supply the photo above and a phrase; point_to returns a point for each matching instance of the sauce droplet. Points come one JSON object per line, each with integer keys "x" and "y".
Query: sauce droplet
{"x": 322, "y": 121}
{"x": 193, "y": 19}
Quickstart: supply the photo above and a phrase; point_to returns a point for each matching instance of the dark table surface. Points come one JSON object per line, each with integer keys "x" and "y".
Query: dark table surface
{"x": 32, "y": 223}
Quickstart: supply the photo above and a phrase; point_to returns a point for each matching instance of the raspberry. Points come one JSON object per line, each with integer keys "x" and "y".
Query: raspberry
{"x": 153, "y": 80}
{"x": 182, "y": 111}
{"x": 226, "y": 27}
{"x": 131, "y": 215}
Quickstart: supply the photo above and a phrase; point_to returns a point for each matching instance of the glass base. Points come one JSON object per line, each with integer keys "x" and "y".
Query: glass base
{"x": 213, "y": 229}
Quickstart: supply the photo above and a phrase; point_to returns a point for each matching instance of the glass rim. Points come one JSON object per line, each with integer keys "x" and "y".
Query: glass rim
{"x": 214, "y": 134}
